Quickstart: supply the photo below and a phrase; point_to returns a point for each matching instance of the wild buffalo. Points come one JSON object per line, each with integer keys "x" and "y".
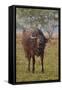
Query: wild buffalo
{"x": 34, "y": 43}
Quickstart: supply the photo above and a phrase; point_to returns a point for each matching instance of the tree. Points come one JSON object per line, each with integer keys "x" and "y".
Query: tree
{"x": 52, "y": 20}
{"x": 48, "y": 19}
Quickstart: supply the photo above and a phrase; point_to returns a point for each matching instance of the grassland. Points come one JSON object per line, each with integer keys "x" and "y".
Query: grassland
{"x": 50, "y": 63}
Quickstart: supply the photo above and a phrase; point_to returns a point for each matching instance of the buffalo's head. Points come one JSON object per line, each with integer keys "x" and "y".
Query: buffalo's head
{"x": 39, "y": 39}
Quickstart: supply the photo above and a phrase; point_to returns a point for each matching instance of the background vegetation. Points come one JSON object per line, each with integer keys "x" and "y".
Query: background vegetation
{"x": 45, "y": 19}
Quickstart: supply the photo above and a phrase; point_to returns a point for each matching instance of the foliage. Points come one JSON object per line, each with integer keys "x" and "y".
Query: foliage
{"x": 42, "y": 18}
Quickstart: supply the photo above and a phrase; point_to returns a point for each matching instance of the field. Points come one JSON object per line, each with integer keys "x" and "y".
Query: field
{"x": 50, "y": 63}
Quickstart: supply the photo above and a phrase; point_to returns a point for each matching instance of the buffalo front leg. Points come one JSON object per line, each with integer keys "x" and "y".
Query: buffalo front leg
{"x": 29, "y": 64}
{"x": 33, "y": 68}
{"x": 42, "y": 57}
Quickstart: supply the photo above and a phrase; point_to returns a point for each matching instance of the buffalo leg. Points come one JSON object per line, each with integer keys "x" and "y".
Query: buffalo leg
{"x": 33, "y": 64}
{"x": 29, "y": 64}
{"x": 42, "y": 57}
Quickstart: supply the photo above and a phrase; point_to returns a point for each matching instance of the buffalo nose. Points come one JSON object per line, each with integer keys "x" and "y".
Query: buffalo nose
{"x": 40, "y": 43}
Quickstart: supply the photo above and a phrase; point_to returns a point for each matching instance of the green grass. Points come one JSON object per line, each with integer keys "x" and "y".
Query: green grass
{"x": 50, "y": 64}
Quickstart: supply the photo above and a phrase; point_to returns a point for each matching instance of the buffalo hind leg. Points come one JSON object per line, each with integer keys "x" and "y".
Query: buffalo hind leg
{"x": 33, "y": 68}
{"x": 42, "y": 57}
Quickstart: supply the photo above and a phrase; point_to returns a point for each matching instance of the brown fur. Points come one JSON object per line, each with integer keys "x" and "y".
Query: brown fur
{"x": 31, "y": 46}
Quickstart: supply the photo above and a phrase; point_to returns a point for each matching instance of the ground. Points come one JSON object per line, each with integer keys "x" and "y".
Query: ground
{"x": 50, "y": 63}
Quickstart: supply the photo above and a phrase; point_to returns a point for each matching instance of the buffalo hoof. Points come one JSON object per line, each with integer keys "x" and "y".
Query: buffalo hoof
{"x": 42, "y": 71}
{"x": 28, "y": 69}
{"x": 32, "y": 71}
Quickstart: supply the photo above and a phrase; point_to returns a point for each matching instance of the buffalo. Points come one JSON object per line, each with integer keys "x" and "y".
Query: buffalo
{"x": 34, "y": 43}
